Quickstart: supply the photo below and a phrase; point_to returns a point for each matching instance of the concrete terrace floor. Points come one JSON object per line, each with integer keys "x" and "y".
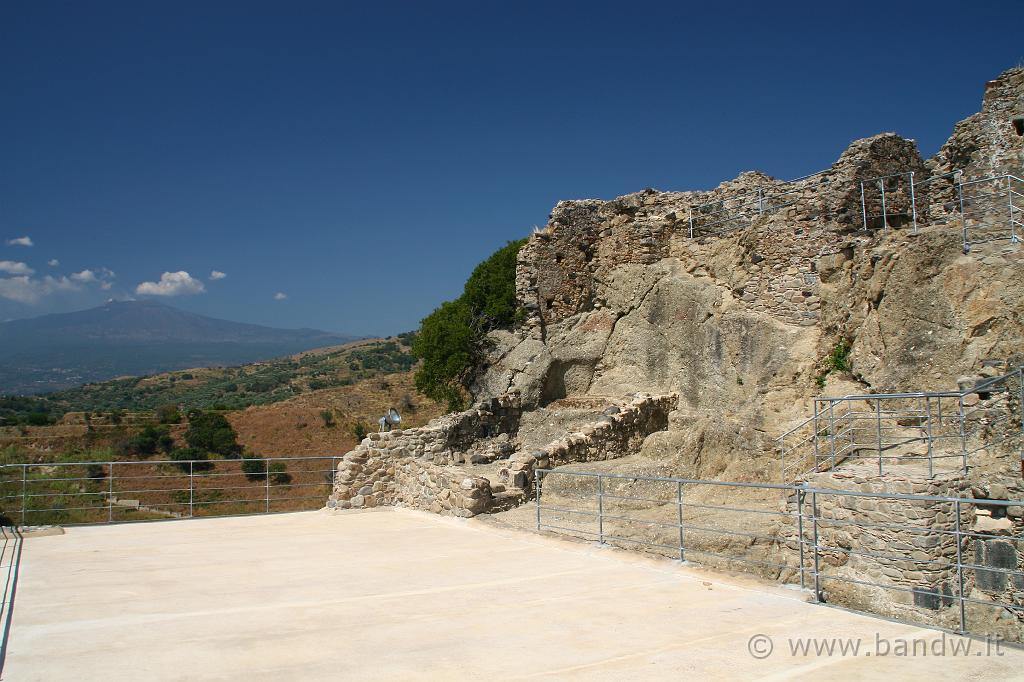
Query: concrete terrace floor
{"x": 401, "y": 595}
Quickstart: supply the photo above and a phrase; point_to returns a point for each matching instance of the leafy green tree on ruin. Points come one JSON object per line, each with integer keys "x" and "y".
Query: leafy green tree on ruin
{"x": 452, "y": 339}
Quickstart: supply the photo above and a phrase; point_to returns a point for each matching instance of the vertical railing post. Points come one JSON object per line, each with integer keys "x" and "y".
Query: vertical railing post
{"x": 537, "y": 485}
{"x": 800, "y": 502}
{"x": 600, "y": 509}
{"x": 1009, "y": 205}
{"x": 863, "y": 206}
{"x": 814, "y": 547}
{"x": 832, "y": 430}
{"x": 679, "y": 507}
{"x": 928, "y": 432}
{"x": 191, "y": 488}
{"x": 961, "y": 418}
{"x": 760, "y": 201}
{"x": 960, "y": 568}
{"x": 814, "y": 438}
{"x": 110, "y": 493}
{"x": 266, "y": 476}
{"x": 878, "y": 432}
{"x": 782, "y": 457}
{"x": 913, "y": 202}
{"x": 885, "y": 218}
{"x": 959, "y": 179}
{"x": 24, "y": 492}
{"x": 1020, "y": 414}
{"x": 690, "y": 211}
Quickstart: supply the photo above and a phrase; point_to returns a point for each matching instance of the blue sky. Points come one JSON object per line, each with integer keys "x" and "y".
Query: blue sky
{"x": 346, "y": 165}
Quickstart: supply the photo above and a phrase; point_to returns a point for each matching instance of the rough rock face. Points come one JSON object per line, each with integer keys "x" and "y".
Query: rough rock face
{"x": 733, "y": 297}
{"x": 988, "y": 143}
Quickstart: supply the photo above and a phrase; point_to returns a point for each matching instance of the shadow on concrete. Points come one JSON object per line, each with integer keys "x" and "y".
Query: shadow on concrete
{"x": 10, "y": 561}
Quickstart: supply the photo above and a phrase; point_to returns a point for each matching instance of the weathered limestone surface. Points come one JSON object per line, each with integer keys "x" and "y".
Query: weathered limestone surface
{"x": 738, "y": 317}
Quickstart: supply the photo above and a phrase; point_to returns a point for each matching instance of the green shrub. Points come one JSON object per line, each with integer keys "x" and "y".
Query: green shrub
{"x": 328, "y": 418}
{"x": 256, "y": 469}
{"x": 836, "y": 361}
{"x": 253, "y": 468}
{"x": 168, "y": 414}
{"x": 279, "y": 474}
{"x": 360, "y": 430}
{"x": 185, "y": 457}
{"x": 146, "y": 442}
{"x": 211, "y": 432}
{"x": 39, "y": 419}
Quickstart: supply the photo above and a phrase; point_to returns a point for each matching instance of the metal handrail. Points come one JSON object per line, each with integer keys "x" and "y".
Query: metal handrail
{"x": 807, "y": 523}
{"x": 262, "y": 486}
{"x": 836, "y": 437}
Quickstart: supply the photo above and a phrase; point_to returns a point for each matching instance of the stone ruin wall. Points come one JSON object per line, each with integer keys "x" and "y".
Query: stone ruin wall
{"x": 987, "y": 143}
{"x": 621, "y": 430}
{"x": 918, "y": 567}
{"x": 560, "y": 268}
{"x": 421, "y": 468}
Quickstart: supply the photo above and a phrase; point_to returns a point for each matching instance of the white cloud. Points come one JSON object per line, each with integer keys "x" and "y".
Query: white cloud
{"x": 280, "y": 296}
{"x": 85, "y": 276}
{"x": 25, "y": 289}
{"x": 20, "y": 241}
{"x": 11, "y": 267}
{"x": 217, "y": 274}
{"x": 53, "y": 262}
{"x": 172, "y": 284}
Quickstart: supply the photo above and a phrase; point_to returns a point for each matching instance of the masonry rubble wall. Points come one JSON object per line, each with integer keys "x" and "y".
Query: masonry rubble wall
{"x": 620, "y": 431}
{"x": 784, "y": 227}
{"x": 419, "y": 468}
{"x": 907, "y": 549}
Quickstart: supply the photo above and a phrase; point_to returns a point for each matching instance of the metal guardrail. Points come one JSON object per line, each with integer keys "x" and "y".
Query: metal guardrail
{"x": 796, "y": 529}
{"x": 71, "y": 493}
{"x": 940, "y": 430}
{"x": 733, "y": 212}
{"x": 990, "y": 208}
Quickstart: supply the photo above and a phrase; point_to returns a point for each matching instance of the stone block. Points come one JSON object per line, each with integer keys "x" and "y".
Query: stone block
{"x": 927, "y": 598}
{"x": 996, "y": 554}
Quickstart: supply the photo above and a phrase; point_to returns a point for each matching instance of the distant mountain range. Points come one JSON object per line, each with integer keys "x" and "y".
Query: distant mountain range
{"x": 134, "y": 338}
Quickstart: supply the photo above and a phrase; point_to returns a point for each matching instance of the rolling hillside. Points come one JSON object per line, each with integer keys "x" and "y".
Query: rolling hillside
{"x": 134, "y": 338}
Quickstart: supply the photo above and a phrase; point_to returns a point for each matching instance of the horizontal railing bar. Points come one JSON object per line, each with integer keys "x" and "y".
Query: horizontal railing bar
{"x": 197, "y": 475}
{"x": 641, "y": 542}
{"x": 917, "y": 530}
{"x": 612, "y": 517}
{"x": 886, "y": 557}
{"x": 1007, "y": 571}
{"x": 569, "y": 530}
{"x": 581, "y": 512}
{"x": 171, "y": 461}
{"x": 767, "y": 512}
{"x": 728, "y": 557}
{"x": 900, "y": 588}
{"x": 737, "y": 484}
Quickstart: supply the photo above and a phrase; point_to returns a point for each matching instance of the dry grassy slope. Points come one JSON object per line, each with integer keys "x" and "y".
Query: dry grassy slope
{"x": 295, "y": 427}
